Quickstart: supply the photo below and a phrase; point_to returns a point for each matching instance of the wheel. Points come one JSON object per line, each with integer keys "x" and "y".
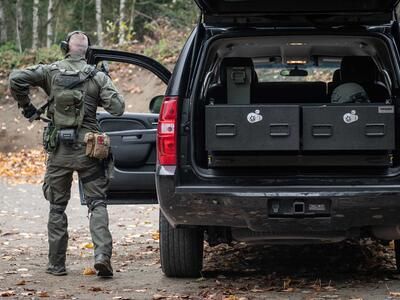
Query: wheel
{"x": 181, "y": 250}
{"x": 397, "y": 254}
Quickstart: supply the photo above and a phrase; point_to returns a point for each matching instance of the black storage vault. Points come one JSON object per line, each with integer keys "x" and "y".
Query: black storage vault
{"x": 252, "y": 127}
{"x": 348, "y": 127}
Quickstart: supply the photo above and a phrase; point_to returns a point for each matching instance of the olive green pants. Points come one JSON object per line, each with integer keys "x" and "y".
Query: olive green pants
{"x": 57, "y": 190}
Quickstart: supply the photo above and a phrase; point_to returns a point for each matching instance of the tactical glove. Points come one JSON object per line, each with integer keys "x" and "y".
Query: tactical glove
{"x": 29, "y": 110}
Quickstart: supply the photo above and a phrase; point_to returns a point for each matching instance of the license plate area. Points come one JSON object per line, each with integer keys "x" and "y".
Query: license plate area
{"x": 299, "y": 208}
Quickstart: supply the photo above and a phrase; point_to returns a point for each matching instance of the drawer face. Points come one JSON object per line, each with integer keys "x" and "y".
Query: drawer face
{"x": 348, "y": 127}
{"x": 252, "y": 127}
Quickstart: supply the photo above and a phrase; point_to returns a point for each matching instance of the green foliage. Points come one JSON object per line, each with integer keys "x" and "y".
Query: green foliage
{"x": 48, "y": 55}
{"x": 9, "y": 46}
{"x": 161, "y": 50}
{"x": 156, "y": 20}
{"x": 12, "y": 59}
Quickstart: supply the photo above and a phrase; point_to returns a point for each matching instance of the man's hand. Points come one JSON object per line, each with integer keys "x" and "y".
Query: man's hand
{"x": 29, "y": 110}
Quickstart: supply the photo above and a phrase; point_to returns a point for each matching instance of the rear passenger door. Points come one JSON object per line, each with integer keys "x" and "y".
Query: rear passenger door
{"x": 133, "y": 135}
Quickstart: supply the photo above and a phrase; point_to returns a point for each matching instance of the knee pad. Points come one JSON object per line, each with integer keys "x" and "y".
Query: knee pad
{"x": 93, "y": 203}
{"x": 57, "y": 209}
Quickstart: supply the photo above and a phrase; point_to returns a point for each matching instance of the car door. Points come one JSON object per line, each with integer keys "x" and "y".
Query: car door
{"x": 133, "y": 138}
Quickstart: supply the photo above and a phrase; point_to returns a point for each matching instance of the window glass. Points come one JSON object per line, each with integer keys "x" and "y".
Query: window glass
{"x": 272, "y": 69}
{"x": 137, "y": 85}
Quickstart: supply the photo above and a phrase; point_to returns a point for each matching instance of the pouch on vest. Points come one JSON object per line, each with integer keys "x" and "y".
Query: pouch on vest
{"x": 97, "y": 145}
{"x": 50, "y": 138}
{"x": 68, "y": 97}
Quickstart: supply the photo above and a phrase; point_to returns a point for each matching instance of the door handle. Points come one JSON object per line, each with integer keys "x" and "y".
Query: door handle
{"x": 132, "y": 138}
{"x": 136, "y": 136}
{"x": 134, "y": 132}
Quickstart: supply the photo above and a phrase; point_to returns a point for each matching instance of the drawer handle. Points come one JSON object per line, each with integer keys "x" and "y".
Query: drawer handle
{"x": 225, "y": 130}
{"x": 322, "y": 130}
{"x": 279, "y": 130}
{"x": 375, "y": 129}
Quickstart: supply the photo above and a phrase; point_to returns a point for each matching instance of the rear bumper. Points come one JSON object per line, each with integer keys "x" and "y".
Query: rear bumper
{"x": 351, "y": 207}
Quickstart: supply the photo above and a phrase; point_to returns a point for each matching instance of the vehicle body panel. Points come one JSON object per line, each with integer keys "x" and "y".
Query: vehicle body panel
{"x": 297, "y": 13}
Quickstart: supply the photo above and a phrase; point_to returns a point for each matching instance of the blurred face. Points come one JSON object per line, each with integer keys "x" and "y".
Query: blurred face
{"x": 78, "y": 44}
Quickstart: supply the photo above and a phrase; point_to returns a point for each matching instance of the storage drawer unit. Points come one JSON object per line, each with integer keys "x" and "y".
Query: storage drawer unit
{"x": 252, "y": 127}
{"x": 348, "y": 127}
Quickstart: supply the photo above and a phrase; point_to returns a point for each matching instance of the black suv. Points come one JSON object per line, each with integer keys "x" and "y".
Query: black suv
{"x": 278, "y": 126}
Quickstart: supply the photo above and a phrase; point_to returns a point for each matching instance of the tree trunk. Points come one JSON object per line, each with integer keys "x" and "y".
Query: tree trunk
{"x": 132, "y": 18}
{"x": 35, "y": 24}
{"x": 122, "y": 25}
{"x": 99, "y": 24}
{"x": 18, "y": 25}
{"x": 3, "y": 27}
{"x": 50, "y": 11}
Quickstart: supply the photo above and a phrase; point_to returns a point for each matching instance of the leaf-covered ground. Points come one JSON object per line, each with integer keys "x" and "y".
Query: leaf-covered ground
{"x": 26, "y": 166}
{"x": 349, "y": 270}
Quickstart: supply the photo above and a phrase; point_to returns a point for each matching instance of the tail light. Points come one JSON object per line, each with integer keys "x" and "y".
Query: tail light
{"x": 167, "y": 131}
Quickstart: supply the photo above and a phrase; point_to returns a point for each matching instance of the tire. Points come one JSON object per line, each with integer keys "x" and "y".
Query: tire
{"x": 397, "y": 254}
{"x": 181, "y": 250}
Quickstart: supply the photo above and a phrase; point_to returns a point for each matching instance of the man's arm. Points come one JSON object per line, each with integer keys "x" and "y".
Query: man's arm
{"x": 22, "y": 80}
{"x": 110, "y": 99}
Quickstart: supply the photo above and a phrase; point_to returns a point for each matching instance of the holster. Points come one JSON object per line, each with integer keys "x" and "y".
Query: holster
{"x": 97, "y": 145}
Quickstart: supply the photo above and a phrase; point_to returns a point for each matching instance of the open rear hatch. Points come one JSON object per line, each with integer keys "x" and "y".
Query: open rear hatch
{"x": 298, "y": 13}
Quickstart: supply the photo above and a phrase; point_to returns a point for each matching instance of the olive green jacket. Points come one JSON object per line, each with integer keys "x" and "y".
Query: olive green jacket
{"x": 100, "y": 88}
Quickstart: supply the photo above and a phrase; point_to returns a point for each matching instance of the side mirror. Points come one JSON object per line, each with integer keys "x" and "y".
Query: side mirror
{"x": 155, "y": 104}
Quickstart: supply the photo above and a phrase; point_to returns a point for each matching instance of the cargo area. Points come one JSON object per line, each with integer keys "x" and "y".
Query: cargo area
{"x": 294, "y": 105}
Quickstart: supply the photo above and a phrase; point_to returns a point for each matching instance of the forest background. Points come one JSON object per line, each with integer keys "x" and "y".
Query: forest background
{"x": 31, "y": 30}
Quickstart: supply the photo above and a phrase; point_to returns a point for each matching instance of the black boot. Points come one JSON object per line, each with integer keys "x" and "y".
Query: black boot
{"x": 56, "y": 270}
{"x": 102, "y": 264}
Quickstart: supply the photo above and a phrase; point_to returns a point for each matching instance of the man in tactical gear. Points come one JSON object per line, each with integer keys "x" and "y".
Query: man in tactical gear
{"x": 72, "y": 76}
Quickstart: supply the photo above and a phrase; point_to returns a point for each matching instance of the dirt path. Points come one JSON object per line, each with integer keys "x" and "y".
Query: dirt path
{"x": 345, "y": 271}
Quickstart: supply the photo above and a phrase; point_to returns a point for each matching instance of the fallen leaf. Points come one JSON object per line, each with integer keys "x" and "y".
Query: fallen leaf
{"x": 21, "y": 282}
{"x": 7, "y": 293}
{"x": 23, "y": 270}
{"x": 159, "y": 296}
{"x": 89, "y": 246}
{"x": 89, "y": 271}
{"x": 394, "y": 294}
{"x": 156, "y": 235}
{"x": 256, "y": 291}
{"x": 140, "y": 291}
{"x": 42, "y": 294}
{"x": 95, "y": 289}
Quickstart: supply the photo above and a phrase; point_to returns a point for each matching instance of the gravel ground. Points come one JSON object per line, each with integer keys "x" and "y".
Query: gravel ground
{"x": 343, "y": 271}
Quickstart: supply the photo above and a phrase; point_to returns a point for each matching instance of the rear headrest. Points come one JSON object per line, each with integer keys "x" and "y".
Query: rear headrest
{"x": 359, "y": 69}
{"x": 336, "y": 76}
{"x": 236, "y": 62}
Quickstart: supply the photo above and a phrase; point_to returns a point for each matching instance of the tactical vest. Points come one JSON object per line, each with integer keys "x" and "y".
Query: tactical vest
{"x": 68, "y": 96}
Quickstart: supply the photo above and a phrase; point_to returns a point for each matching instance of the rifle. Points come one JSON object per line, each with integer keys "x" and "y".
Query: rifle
{"x": 39, "y": 112}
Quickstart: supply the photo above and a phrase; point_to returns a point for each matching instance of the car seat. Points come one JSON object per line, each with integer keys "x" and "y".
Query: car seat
{"x": 363, "y": 70}
{"x": 237, "y": 79}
